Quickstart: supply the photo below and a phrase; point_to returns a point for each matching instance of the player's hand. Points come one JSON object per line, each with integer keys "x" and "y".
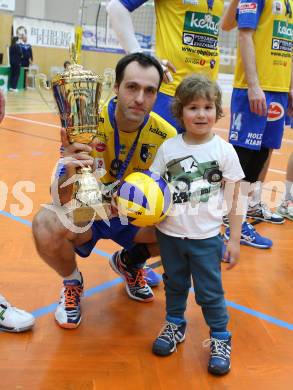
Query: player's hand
{"x": 75, "y": 154}
{"x": 167, "y": 66}
{"x": 231, "y": 254}
{"x": 257, "y": 101}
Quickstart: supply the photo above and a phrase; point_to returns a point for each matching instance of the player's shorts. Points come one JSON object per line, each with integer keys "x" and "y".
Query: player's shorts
{"x": 252, "y": 131}
{"x": 289, "y": 121}
{"x": 121, "y": 234}
{"x": 163, "y": 108}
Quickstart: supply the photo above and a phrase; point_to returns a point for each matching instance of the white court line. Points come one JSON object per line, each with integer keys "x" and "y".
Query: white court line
{"x": 31, "y": 121}
{"x": 277, "y": 171}
{"x": 58, "y": 127}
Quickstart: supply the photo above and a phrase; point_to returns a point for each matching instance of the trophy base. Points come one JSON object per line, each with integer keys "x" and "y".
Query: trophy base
{"x": 84, "y": 214}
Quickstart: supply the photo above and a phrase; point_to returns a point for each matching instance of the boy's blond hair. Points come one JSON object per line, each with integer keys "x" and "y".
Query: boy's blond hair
{"x": 196, "y": 86}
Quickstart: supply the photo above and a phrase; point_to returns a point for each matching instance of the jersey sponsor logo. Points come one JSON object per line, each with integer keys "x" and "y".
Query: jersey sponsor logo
{"x": 157, "y": 131}
{"x": 253, "y": 139}
{"x": 101, "y": 147}
{"x": 275, "y": 112}
{"x": 100, "y": 163}
{"x": 198, "y": 61}
{"x": 202, "y": 23}
{"x": 199, "y": 40}
{"x": 282, "y": 30}
{"x": 102, "y": 135}
{"x": 277, "y": 7}
{"x": 192, "y": 2}
{"x": 248, "y": 8}
{"x": 212, "y": 64}
{"x": 234, "y": 136}
{"x": 147, "y": 152}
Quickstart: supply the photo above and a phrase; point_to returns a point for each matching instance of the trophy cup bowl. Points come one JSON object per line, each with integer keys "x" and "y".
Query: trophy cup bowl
{"x": 79, "y": 95}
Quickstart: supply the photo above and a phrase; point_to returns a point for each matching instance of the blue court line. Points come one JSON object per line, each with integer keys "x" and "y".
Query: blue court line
{"x": 17, "y": 219}
{"x": 106, "y": 285}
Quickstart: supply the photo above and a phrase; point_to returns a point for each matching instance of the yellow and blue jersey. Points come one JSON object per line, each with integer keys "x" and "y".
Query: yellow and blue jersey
{"x": 154, "y": 132}
{"x": 273, "y": 24}
{"x": 187, "y": 35}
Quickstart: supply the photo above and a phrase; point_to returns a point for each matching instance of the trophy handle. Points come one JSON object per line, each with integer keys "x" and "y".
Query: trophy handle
{"x": 107, "y": 86}
{"x": 43, "y": 84}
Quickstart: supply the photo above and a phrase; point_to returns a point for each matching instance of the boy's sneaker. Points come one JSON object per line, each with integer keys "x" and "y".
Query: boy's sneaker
{"x": 169, "y": 336}
{"x": 151, "y": 277}
{"x": 261, "y": 212}
{"x": 250, "y": 237}
{"x": 135, "y": 283}
{"x": 286, "y": 209}
{"x": 68, "y": 312}
{"x": 220, "y": 346}
{"x": 13, "y": 319}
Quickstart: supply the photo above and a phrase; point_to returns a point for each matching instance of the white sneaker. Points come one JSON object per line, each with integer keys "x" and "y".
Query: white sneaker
{"x": 13, "y": 89}
{"x": 13, "y": 319}
{"x": 286, "y": 209}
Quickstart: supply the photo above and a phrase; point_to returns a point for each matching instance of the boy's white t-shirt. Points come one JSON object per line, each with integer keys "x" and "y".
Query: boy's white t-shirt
{"x": 196, "y": 174}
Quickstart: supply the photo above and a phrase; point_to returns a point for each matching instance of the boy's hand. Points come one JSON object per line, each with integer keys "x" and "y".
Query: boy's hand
{"x": 231, "y": 254}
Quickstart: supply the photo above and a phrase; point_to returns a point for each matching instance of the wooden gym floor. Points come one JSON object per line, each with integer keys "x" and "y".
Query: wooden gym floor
{"x": 111, "y": 349}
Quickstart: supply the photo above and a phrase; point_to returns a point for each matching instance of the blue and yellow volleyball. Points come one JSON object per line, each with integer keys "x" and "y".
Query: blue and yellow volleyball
{"x": 144, "y": 198}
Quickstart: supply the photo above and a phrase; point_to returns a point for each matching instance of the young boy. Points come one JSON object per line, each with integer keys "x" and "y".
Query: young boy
{"x": 197, "y": 164}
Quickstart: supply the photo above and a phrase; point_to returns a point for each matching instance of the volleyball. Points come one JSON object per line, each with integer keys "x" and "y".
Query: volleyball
{"x": 144, "y": 198}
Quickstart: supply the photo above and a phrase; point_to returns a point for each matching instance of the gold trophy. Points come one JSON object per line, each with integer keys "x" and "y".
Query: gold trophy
{"x": 80, "y": 95}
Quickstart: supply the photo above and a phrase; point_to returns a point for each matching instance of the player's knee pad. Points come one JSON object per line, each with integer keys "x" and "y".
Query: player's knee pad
{"x": 252, "y": 161}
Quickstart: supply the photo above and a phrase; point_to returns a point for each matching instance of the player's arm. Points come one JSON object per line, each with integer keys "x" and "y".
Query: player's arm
{"x": 228, "y": 21}
{"x": 2, "y": 106}
{"x": 256, "y": 96}
{"x": 235, "y": 222}
{"x": 121, "y": 23}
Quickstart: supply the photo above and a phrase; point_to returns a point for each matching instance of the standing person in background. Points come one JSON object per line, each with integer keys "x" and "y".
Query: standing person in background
{"x": 27, "y": 55}
{"x": 186, "y": 41}
{"x": 261, "y": 95}
{"x": 11, "y": 318}
{"x": 15, "y": 57}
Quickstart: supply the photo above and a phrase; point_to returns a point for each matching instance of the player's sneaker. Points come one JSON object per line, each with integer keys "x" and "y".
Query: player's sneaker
{"x": 250, "y": 237}
{"x": 225, "y": 220}
{"x": 220, "y": 346}
{"x": 169, "y": 336}
{"x": 68, "y": 312}
{"x": 13, "y": 319}
{"x": 286, "y": 209}
{"x": 261, "y": 212}
{"x": 135, "y": 283}
{"x": 151, "y": 277}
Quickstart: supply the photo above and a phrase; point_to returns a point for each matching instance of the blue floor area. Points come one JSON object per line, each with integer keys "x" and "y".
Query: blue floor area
{"x": 106, "y": 285}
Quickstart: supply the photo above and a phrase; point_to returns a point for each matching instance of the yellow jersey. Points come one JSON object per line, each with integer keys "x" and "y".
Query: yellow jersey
{"x": 154, "y": 131}
{"x": 187, "y": 34}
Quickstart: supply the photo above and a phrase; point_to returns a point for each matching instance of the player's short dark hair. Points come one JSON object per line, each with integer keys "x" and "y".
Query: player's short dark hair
{"x": 143, "y": 60}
